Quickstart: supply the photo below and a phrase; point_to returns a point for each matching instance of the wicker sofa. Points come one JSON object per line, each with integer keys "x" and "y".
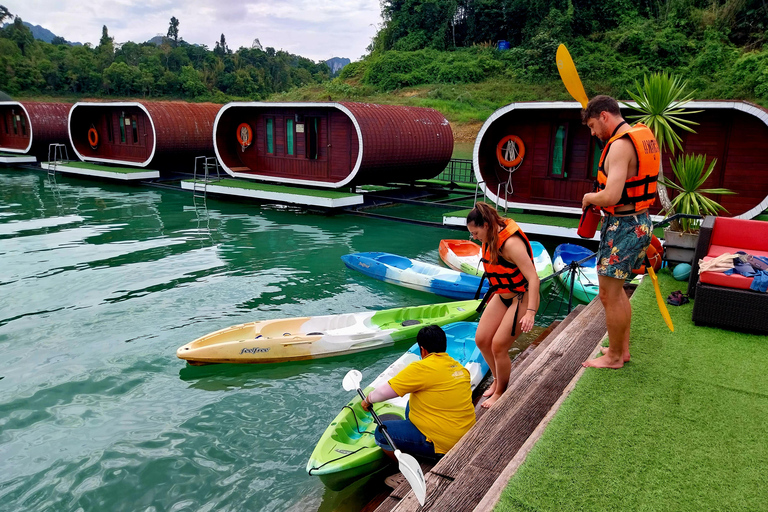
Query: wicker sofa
{"x": 726, "y": 301}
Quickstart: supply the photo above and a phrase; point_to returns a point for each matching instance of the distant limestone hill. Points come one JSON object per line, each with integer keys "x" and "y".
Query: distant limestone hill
{"x": 337, "y": 64}
{"x": 43, "y": 34}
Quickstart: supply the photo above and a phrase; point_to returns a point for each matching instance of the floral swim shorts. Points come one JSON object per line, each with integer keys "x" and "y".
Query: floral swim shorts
{"x": 623, "y": 242}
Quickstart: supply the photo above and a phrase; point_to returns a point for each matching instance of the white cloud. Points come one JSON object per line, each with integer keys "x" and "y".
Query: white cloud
{"x": 317, "y": 29}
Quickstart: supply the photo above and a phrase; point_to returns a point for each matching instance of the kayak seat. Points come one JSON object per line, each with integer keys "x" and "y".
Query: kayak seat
{"x": 390, "y": 417}
{"x": 411, "y": 322}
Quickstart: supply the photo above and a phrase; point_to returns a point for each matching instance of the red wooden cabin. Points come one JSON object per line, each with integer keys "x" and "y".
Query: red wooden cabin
{"x": 29, "y": 127}
{"x": 165, "y": 134}
{"x": 332, "y": 144}
{"x": 560, "y": 158}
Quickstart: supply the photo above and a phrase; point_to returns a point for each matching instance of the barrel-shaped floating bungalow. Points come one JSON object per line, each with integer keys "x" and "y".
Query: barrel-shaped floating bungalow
{"x": 539, "y": 156}
{"x": 165, "y": 134}
{"x": 331, "y": 145}
{"x": 29, "y": 127}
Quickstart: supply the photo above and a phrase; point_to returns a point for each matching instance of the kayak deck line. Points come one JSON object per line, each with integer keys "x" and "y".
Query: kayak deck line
{"x": 461, "y": 480}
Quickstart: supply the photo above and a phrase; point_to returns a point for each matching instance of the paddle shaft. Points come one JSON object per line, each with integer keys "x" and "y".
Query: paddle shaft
{"x": 378, "y": 421}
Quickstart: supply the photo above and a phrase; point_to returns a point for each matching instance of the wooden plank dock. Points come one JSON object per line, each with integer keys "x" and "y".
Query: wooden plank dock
{"x": 471, "y": 476}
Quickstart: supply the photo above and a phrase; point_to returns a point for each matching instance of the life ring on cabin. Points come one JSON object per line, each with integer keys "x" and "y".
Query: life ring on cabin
{"x": 244, "y": 135}
{"x": 510, "y": 151}
{"x": 93, "y": 138}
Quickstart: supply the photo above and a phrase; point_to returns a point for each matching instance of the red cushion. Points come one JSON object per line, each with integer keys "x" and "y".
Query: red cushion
{"x": 733, "y": 281}
{"x": 749, "y": 235}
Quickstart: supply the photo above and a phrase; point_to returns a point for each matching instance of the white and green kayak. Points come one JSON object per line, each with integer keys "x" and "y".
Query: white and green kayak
{"x": 293, "y": 339}
{"x": 347, "y": 450}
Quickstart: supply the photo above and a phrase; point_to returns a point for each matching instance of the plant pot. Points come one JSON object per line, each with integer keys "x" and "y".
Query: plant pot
{"x": 680, "y": 247}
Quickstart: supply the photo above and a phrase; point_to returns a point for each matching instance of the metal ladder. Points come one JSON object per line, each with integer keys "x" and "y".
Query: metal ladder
{"x": 498, "y": 192}
{"x": 60, "y": 155}
{"x": 206, "y": 164}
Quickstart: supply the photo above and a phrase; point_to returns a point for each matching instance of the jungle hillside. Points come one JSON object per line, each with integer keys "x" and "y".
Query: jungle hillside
{"x": 443, "y": 54}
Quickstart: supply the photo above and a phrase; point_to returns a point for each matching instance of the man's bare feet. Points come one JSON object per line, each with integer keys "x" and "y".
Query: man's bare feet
{"x": 492, "y": 400}
{"x": 604, "y": 350}
{"x": 491, "y": 389}
{"x": 603, "y": 362}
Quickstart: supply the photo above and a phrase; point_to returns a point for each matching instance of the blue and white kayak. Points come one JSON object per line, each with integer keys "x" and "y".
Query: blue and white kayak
{"x": 585, "y": 287}
{"x": 347, "y": 450}
{"x": 414, "y": 274}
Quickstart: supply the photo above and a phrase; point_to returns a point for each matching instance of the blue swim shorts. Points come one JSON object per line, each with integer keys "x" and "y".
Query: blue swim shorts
{"x": 623, "y": 242}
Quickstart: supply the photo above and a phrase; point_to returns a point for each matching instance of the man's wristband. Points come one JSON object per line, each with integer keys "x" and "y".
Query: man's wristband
{"x": 534, "y": 310}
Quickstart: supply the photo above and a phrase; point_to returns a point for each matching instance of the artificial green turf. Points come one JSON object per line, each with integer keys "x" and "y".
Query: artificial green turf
{"x": 682, "y": 427}
{"x": 253, "y": 185}
{"x": 105, "y": 168}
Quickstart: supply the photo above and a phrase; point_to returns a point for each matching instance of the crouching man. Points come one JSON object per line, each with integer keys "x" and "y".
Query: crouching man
{"x": 439, "y": 409}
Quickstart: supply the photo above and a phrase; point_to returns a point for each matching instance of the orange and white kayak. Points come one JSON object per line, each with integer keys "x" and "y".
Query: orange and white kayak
{"x": 462, "y": 255}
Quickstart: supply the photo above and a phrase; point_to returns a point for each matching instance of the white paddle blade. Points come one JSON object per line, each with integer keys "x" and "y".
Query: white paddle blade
{"x": 411, "y": 470}
{"x": 352, "y": 380}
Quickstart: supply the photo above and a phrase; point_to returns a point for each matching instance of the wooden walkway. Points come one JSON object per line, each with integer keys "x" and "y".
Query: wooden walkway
{"x": 473, "y": 474}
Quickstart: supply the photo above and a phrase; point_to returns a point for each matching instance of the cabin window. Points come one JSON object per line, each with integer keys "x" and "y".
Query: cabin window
{"x": 5, "y": 121}
{"x": 596, "y": 154}
{"x": 270, "y": 136}
{"x": 558, "y": 151}
{"x": 289, "y": 136}
{"x": 109, "y": 127}
{"x": 135, "y": 130}
{"x": 23, "y": 126}
{"x": 312, "y": 136}
{"x": 15, "y": 126}
{"x": 122, "y": 127}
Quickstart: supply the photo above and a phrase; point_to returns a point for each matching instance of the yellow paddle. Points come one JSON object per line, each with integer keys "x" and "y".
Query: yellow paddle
{"x": 572, "y": 82}
{"x": 662, "y": 307}
{"x": 570, "y": 76}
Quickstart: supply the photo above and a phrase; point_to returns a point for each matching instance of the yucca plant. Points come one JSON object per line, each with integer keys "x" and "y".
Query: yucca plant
{"x": 660, "y": 101}
{"x": 691, "y": 176}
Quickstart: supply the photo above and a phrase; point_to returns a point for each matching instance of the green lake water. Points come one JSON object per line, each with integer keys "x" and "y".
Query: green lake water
{"x": 101, "y": 283}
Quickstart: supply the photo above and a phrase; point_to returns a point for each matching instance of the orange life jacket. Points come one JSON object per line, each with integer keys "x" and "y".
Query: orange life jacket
{"x": 505, "y": 276}
{"x": 640, "y": 190}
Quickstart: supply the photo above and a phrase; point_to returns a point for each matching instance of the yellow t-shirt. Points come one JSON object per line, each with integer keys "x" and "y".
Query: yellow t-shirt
{"x": 441, "y": 398}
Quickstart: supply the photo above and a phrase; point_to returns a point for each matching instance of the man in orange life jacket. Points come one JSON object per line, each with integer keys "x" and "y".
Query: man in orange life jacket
{"x": 627, "y": 174}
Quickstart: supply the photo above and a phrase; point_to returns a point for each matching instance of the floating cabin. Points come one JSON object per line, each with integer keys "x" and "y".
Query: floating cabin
{"x": 166, "y": 134}
{"x": 538, "y": 155}
{"x": 332, "y": 145}
{"x": 28, "y": 128}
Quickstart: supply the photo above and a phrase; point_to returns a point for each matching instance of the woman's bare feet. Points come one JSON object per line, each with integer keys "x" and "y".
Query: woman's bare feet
{"x": 604, "y": 350}
{"x": 605, "y": 361}
{"x": 492, "y": 400}
{"x": 491, "y": 390}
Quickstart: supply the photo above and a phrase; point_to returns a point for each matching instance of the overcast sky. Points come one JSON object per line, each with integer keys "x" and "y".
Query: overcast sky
{"x": 317, "y": 29}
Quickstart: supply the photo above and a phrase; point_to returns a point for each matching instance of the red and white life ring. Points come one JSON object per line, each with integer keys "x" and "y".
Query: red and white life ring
{"x": 244, "y": 135}
{"x": 517, "y": 151}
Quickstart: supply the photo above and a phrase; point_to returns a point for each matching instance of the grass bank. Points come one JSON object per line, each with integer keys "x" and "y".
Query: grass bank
{"x": 681, "y": 427}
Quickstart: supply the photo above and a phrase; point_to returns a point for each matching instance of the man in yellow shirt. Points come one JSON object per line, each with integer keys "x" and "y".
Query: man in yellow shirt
{"x": 439, "y": 409}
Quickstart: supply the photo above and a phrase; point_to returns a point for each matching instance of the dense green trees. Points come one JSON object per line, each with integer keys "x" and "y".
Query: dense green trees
{"x": 720, "y": 46}
{"x": 171, "y": 69}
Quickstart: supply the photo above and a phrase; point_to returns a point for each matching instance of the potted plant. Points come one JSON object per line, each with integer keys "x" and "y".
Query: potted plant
{"x": 691, "y": 173}
{"x": 660, "y": 101}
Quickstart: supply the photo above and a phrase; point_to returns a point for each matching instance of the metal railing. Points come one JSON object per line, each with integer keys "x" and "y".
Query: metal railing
{"x": 458, "y": 171}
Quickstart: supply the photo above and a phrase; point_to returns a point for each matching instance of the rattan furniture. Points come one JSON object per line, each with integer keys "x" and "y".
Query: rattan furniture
{"x": 721, "y": 306}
